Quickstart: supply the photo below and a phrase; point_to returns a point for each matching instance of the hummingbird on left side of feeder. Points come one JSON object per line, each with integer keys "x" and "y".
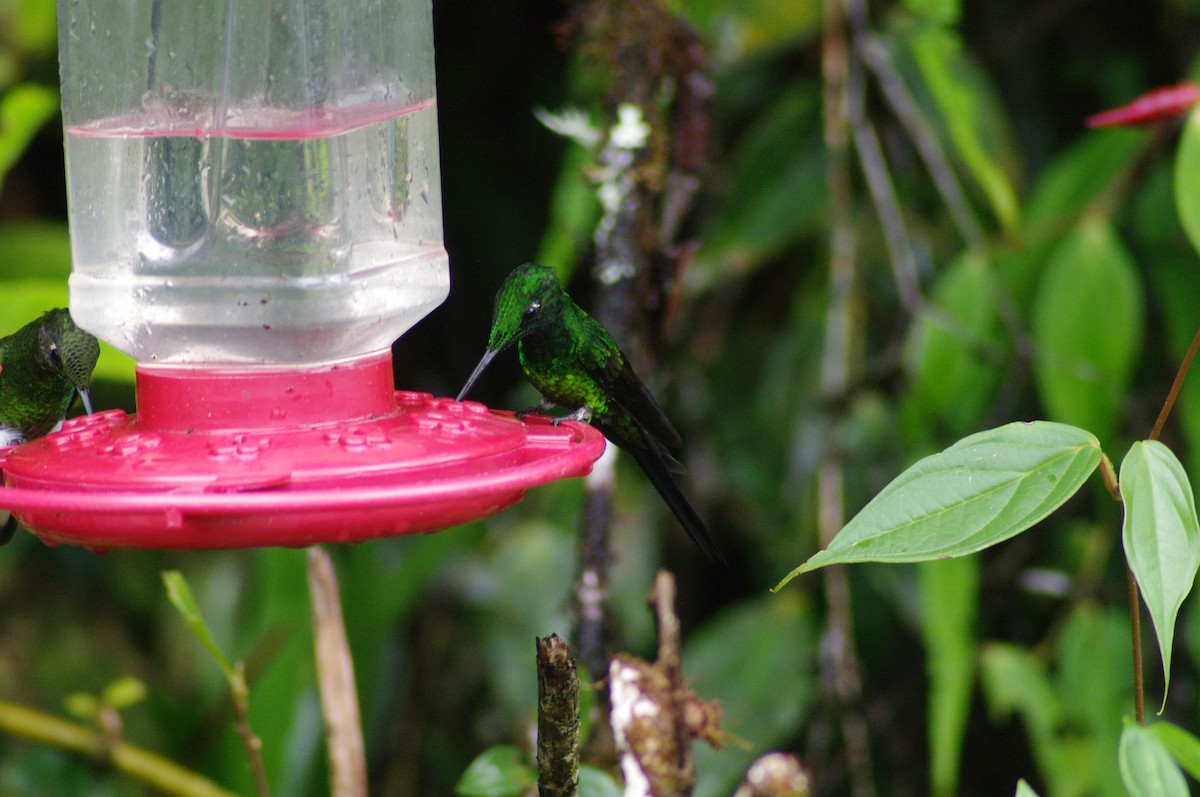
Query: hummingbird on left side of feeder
{"x": 43, "y": 365}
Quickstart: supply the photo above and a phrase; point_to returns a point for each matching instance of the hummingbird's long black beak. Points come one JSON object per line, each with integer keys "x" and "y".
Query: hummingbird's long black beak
{"x": 488, "y": 356}
{"x": 86, "y": 398}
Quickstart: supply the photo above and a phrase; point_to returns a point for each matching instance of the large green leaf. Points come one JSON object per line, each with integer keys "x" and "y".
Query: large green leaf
{"x": 1161, "y": 536}
{"x": 980, "y": 491}
{"x": 1147, "y": 769}
{"x": 1187, "y": 178}
{"x": 1087, "y": 327}
{"x": 949, "y": 595}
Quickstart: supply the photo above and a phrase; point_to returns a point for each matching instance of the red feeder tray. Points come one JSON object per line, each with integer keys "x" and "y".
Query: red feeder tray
{"x": 227, "y": 458}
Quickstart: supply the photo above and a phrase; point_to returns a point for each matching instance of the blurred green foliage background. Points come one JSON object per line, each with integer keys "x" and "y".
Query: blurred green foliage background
{"x": 1070, "y": 293}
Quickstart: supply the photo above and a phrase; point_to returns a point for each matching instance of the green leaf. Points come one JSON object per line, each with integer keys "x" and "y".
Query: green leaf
{"x": 595, "y": 782}
{"x": 23, "y": 111}
{"x": 82, "y": 705}
{"x": 124, "y": 692}
{"x": 1087, "y": 327}
{"x": 499, "y": 771}
{"x": 1014, "y": 681}
{"x": 1147, "y": 769}
{"x": 1075, "y": 178}
{"x": 954, "y": 349}
{"x": 574, "y": 209}
{"x": 1183, "y": 746}
{"x": 1093, "y": 686}
{"x": 1024, "y": 789}
{"x": 982, "y": 490}
{"x": 943, "y": 12}
{"x": 949, "y": 592}
{"x": 180, "y": 595}
{"x": 1187, "y": 178}
{"x": 938, "y": 54}
{"x": 1161, "y": 536}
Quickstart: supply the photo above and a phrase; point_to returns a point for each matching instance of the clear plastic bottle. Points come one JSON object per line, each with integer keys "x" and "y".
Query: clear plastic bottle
{"x": 251, "y": 180}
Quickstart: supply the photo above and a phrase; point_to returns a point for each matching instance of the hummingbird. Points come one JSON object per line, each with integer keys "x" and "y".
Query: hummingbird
{"x": 43, "y": 365}
{"x": 573, "y": 362}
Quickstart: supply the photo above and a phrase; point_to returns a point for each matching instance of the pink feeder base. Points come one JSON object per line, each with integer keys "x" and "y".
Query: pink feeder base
{"x": 225, "y": 458}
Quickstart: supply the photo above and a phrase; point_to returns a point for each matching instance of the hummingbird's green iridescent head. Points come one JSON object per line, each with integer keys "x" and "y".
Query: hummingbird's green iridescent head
{"x": 66, "y": 349}
{"x": 530, "y": 299}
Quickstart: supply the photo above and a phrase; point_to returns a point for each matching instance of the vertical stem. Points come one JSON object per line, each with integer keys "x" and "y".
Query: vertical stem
{"x": 240, "y": 693}
{"x": 591, "y": 584}
{"x": 670, "y": 661}
{"x": 841, "y": 663}
{"x": 1135, "y": 625}
{"x": 335, "y": 677}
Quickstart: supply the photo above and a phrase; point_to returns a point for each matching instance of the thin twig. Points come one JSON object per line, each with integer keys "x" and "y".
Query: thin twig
{"x": 239, "y": 690}
{"x": 875, "y": 169}
{"x": 335, "y": 678}
{"x": 165, "y": 777}
{"x": 557, "y": 720}
{"x": 1175, "y": 387}
{"x": 874, "y": 54}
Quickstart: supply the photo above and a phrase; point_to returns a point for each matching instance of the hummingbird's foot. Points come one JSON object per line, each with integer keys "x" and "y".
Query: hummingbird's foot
{"x": 536, "y": 409}
{"x": 583, "y": 415}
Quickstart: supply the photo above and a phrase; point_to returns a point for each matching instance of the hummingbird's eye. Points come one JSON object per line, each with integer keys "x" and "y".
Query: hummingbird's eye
{"x": 55, "y": 357}
{"x": 532, "y": 309}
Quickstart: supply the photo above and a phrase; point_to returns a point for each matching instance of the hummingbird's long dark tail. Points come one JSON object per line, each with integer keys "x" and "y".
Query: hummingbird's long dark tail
{"x": 654, "y": 462}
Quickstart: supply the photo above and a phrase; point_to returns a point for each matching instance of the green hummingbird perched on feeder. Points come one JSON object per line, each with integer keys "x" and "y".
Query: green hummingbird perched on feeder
{"x": 43, "y": 365}
{"x": 574, "y": 362}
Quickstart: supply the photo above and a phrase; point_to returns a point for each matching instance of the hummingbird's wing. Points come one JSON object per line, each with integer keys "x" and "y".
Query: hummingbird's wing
{"x": 610, "y": 368}
{"x": 631, "y": 394}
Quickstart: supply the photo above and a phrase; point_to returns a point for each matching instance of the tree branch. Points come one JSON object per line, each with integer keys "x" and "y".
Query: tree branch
{"x": 155, "y": 771}
{"x": 558, "y": 719}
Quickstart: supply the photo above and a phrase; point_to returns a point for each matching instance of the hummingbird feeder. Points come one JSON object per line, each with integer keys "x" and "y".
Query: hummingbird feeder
{"x": 255, "y": 216}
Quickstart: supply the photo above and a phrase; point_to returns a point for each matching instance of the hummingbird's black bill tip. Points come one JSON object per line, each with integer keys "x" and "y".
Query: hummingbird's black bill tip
{"x": 479, "y": 369}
